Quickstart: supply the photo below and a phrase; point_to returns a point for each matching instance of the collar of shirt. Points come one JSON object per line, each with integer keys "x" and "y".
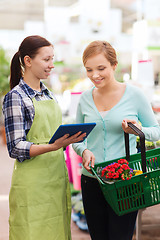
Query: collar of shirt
{"x": 32, "y": 93}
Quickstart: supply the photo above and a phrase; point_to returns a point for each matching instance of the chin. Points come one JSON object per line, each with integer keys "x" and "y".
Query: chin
{"x": 98, "y": 85}
{"x": 44, "y": 78}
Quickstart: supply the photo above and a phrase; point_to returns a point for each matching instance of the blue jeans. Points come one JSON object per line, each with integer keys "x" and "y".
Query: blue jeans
{"x": 103, "y": 223}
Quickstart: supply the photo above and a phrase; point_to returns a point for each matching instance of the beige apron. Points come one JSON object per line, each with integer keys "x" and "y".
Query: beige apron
{"x": 40, "y": 207}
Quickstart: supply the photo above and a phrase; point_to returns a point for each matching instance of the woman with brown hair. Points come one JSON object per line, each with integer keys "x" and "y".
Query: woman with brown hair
{"x": 111, "y": 105}
{"x": 39, "y": 197}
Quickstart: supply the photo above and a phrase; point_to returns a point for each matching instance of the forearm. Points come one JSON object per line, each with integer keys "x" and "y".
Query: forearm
{"x": 59, "y": 143}
{"x": 25, "y": 150}
{"x": 79, "y": 148}
{"x": 150, "y": 125}
{"x": 36, "y": 150}
{"x": 151, "y": 133}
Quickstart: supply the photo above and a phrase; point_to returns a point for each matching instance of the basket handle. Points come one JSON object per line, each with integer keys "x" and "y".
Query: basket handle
{"x": 95, "y": 174}
{"x": 142, "y": 144}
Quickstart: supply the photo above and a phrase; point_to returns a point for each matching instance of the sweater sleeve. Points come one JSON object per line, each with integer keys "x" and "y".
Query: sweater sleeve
{"x": 79, "y": 147}
{"x": 150, "y": 126}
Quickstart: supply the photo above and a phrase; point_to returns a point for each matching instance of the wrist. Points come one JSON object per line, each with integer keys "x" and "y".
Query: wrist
{"x": 84, "y": 152}
{"x": 54, "y": 147}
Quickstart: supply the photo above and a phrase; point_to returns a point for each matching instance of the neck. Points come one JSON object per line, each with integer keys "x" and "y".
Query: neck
{"x": 33, "y": 83}
{"x": 109, "y": 88}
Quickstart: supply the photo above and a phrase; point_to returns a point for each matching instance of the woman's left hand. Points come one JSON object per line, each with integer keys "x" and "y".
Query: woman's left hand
{"x": 127, "y": 129}
{"x": 88, "y": 159}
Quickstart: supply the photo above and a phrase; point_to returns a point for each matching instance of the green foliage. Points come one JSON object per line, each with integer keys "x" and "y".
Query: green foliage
{"x": 121, "y": 70}
{"x": 4, "y": 73}
{"x": 69, "y": 74}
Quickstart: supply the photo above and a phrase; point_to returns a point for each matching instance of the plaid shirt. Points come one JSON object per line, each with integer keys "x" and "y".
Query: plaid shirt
{"x": 19, "y": 113}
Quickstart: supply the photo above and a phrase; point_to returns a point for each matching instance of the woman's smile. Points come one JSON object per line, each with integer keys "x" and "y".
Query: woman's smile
{"x": 47, "y": 72}
{"x": 97, "y": 81}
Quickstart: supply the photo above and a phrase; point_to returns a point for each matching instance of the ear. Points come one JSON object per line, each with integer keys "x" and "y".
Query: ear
{"x": 114, "y": 67}
{"x": 27, "y": 61}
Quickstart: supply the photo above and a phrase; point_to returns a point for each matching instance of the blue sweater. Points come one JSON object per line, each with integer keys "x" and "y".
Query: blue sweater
{"x": 106, "y": 141}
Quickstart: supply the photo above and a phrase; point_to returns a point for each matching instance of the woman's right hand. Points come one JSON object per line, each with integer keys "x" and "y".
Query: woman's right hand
{"x": 88, "y": 160}
{"x": 66, "y": 140}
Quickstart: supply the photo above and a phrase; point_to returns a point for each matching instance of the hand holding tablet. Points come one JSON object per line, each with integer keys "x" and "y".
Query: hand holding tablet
{"x": 72, "y": 129}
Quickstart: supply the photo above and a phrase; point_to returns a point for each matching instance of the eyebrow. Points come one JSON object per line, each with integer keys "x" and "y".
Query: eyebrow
{"x": 101, "y": 65}
{"x": 49, "y": 56}
{"x": 97, "y": 66}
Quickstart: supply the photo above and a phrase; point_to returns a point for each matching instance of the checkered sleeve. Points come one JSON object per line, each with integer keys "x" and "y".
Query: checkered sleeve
{"x": 13, "y": 110}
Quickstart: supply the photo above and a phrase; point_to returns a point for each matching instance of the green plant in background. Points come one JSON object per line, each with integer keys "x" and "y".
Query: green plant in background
{"x": 121, "y": 70}
{"x": 4, "y": 74}
{"x": 149, "y": 144}
{"x": 158, "y": 143}
{"x": 69, "y": 74}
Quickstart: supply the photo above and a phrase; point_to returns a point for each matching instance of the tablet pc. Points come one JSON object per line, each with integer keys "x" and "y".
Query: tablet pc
{"x": 72, "y": 129}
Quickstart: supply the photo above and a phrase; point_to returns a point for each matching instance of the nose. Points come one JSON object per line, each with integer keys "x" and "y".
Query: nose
{"x": 51, "y": 65}
{"x": 95, "y": 75}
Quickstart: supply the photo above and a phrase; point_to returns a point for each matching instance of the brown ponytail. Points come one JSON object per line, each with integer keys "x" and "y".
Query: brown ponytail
{"x": 15, "y": 70}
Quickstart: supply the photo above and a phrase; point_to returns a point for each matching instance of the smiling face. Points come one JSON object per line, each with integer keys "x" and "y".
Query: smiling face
{"x": 99, "y": 70}
{"x": 42, "y": 64}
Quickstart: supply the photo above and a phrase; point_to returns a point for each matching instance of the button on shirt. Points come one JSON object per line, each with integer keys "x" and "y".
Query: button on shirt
{"x": 19, "y": 113}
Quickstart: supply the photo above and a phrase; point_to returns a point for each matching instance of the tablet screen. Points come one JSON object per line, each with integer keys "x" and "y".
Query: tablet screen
{"x": 72, "y": 129}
